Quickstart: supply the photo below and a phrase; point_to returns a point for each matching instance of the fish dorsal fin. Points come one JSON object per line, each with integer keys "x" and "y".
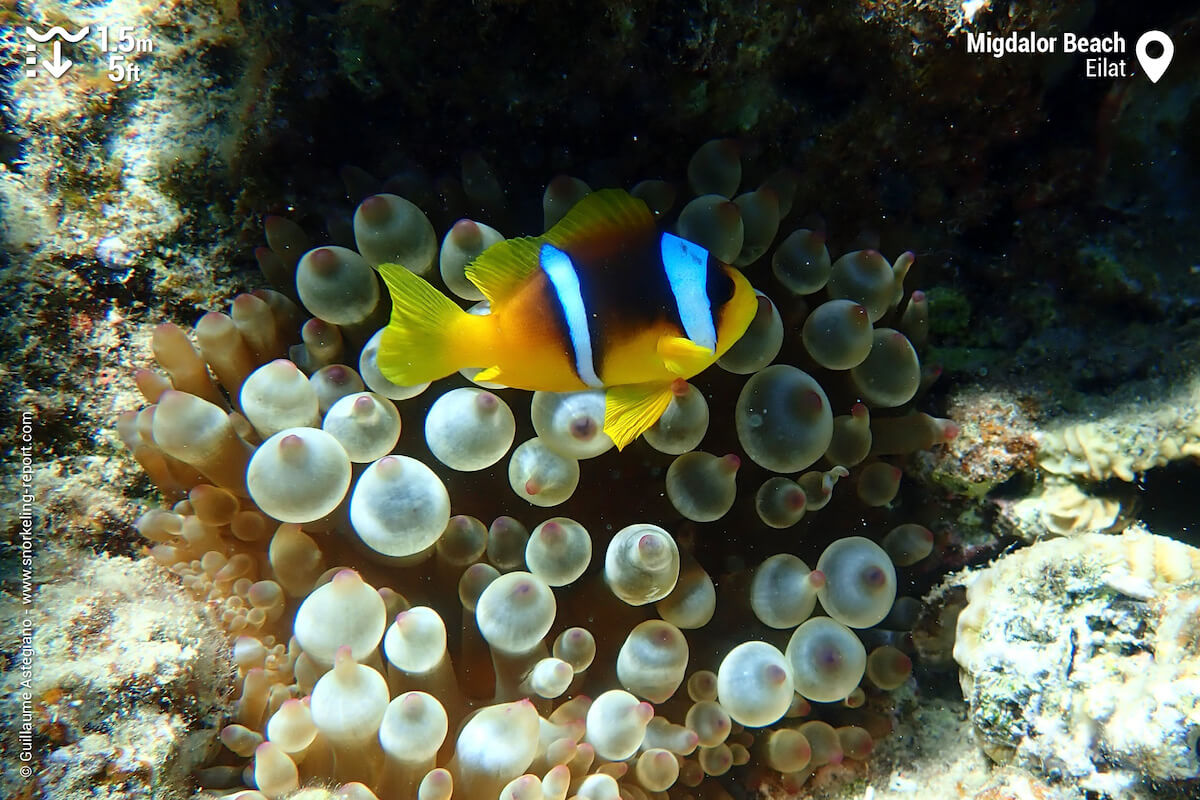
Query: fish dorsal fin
{"x": 504, "y": 266}
{"x": 632, "y": 408}
{"x": 601, "y": 216}
{"x": 683, "y": 357}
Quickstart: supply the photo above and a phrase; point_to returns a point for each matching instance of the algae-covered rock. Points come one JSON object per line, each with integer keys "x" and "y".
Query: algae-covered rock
{"x": 1080, "y": 659}
{"x": 121, "y": 688}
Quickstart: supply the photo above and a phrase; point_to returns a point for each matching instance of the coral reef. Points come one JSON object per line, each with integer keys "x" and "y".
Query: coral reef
{"x": 1108, "y": 439}
{"x": 1078, "y": 657}
{"x": 1126, "y": 442}
{"x": 359, "y": 546}
{"x": 112, "y": 206}
{"x": 125, "y": 679}
{"x": 1053, "y": 217}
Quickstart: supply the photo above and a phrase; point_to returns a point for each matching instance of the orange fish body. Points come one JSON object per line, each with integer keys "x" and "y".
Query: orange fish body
{"x": 602, "y": 300}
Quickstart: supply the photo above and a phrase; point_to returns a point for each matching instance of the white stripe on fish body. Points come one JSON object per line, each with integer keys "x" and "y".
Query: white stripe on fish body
{"x": 561, "y": 271}
{"x": 686, "y": 265}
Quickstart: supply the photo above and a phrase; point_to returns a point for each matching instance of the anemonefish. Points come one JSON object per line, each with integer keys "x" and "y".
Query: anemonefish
{"x": 603, "y": 300}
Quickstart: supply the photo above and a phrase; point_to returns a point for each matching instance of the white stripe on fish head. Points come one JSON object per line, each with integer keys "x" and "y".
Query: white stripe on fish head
{"x": 686, "y": 265}
{"x": 561, "y": 271}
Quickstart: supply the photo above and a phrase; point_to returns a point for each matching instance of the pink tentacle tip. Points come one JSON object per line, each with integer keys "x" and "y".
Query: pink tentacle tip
{"x": 649, "y": 544}
{"x": 583, "y": 428}
{"x": 532, "y": 487}
{"x": 291, "y": 444}
{"x": 466, "y": 233}
{"x": 728, "y": 212}
{"x": 560, "y": 185}
{"x": 315, "y": 326}
{"x": 774, "y": 675}
{"x": 324, "y": 260}
{"x": 874, "y": 577}
{"x": 816, "y": 579}
{"x": 375, "y": 209}
{"x": 345, "y": 577}
{"x": 680, "y": 387}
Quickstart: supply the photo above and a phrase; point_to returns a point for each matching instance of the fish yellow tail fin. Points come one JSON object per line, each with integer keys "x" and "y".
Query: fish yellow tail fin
{"x": 428, "y": 336}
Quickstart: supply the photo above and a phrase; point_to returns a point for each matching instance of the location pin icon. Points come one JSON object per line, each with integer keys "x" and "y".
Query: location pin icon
{"x": 1155, "y": 66}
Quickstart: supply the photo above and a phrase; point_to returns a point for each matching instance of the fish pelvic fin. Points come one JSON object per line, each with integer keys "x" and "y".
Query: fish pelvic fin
{"x": 632, "y": 408}
{"x": 426, "y": 337}
{"x": 683, "y": 357}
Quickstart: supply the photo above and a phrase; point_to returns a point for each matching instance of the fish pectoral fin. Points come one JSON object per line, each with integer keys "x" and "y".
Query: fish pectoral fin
{"x": 489, "y": 375}
{"x": 629, "y": 410}
{"x": 683, "y": 357}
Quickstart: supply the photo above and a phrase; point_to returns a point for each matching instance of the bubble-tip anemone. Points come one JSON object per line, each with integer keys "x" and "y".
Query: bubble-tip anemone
{"x": 469, "y": 429}
{"x": 754, "y": 684}
{"x": 299, "y": 474}
{"x": 827, "y": 660}
{"x": 399, "y": 507}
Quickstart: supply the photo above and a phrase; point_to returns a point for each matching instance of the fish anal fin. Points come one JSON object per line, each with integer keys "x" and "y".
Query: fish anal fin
{"x": 683, "y": 357}
{"x": 630, "y": 409}
{"x": 604, "y": 216}
{"x": 499, "y": 270}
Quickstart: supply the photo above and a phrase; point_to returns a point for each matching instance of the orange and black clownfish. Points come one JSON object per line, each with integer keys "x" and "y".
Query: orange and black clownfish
{"x": 603, "y": 300}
